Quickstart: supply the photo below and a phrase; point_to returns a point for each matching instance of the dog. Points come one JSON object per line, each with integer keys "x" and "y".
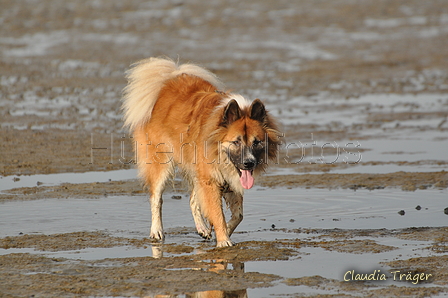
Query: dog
{"x": 181, "y": 115}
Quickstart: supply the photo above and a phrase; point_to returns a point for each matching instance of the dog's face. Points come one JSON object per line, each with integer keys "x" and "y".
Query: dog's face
{"x": 245, "y": 146}
{"x": 246, "y": 140}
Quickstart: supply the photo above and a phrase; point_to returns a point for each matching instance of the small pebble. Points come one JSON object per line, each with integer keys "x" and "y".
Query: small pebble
{"x": 273, "y": 226}
{"x": 176, "y": 197}
{"x": 401, "y": 212}
{"x": 292, "y": 220}
{"x": 418, "y": 207}
{"x": 446, "y": 211}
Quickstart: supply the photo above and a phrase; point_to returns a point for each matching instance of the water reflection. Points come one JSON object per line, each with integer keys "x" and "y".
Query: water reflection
{"x": 216, "y": 265}
{"x": 157, "y": 251}
{"x": 219, "y": 294}
{"x": 207, "y": 294}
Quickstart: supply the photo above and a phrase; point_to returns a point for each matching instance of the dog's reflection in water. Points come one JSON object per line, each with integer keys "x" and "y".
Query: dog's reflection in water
{"x": 157, "y": 251}
{"x": 219, "y": 294}
{"x": 217, "y": 266}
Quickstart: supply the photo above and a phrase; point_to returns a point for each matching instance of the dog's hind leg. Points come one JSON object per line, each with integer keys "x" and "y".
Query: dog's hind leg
{"x": 156, "y": 167}
{"x": 202, "y": 225}
{"x": 234, "y": 202}
{"x": 156, "y": 214}
{"x": 157, "y": 177}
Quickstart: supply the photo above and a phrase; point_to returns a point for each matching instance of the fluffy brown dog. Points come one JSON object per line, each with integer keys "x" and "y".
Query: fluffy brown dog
{"x": 179, "y": 116}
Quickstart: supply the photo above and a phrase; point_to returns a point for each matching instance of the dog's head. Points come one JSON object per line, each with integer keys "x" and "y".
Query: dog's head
{"x": 250, "y": 140}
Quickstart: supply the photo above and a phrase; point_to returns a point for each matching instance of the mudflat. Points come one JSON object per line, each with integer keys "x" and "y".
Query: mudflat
{"x": 354, "y": 206}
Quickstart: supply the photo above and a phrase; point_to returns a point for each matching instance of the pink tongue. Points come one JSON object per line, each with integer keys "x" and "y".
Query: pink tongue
{"x": 246, "y": 179}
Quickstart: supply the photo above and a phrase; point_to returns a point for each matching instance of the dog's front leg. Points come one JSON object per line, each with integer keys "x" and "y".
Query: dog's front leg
{"x": 211, "y": 204}
{"x": 203, "y": 228}
{"x": 234, "y": 201}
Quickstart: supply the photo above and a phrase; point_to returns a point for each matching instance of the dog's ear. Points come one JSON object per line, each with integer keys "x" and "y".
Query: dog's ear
{"x": 232, "y": 113}
{"x": 258, "y": 111}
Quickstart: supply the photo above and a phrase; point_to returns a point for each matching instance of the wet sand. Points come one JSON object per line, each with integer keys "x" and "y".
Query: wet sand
{"x": 361, "y": 92}
{"x": 182, "y": 268}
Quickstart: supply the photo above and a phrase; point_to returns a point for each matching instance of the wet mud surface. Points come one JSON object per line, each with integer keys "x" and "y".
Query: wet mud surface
{"x": 361, "y": 93}
{"x": 201, "y": 267}
{"x": 93, "y": 261}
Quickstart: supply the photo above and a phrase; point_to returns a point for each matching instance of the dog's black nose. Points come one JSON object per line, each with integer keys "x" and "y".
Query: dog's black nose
{"x": 249, "y": 164}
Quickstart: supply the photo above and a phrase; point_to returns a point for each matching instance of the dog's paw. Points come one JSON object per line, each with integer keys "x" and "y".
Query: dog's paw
{"x": 224, "y": 243}
{"x": 157, "y": 235}
{"x": 205, "y": 233}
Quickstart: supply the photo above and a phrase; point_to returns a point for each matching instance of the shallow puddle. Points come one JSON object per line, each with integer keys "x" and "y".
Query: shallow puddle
{"x": 264, "y": 209}
{"x": 10, "y": 182}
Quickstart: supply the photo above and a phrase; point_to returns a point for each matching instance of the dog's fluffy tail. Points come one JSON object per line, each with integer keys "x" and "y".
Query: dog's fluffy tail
{"x": 145, "y": 80}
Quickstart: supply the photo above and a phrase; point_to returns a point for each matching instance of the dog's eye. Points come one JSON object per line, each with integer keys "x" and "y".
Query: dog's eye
{"x": 236, "y": 143}
{"x": 256, "y": 143}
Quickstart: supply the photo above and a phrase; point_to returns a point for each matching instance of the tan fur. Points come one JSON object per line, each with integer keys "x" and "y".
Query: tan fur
{"x": 181, "y": 125}
{"x": 146, "y": 79}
